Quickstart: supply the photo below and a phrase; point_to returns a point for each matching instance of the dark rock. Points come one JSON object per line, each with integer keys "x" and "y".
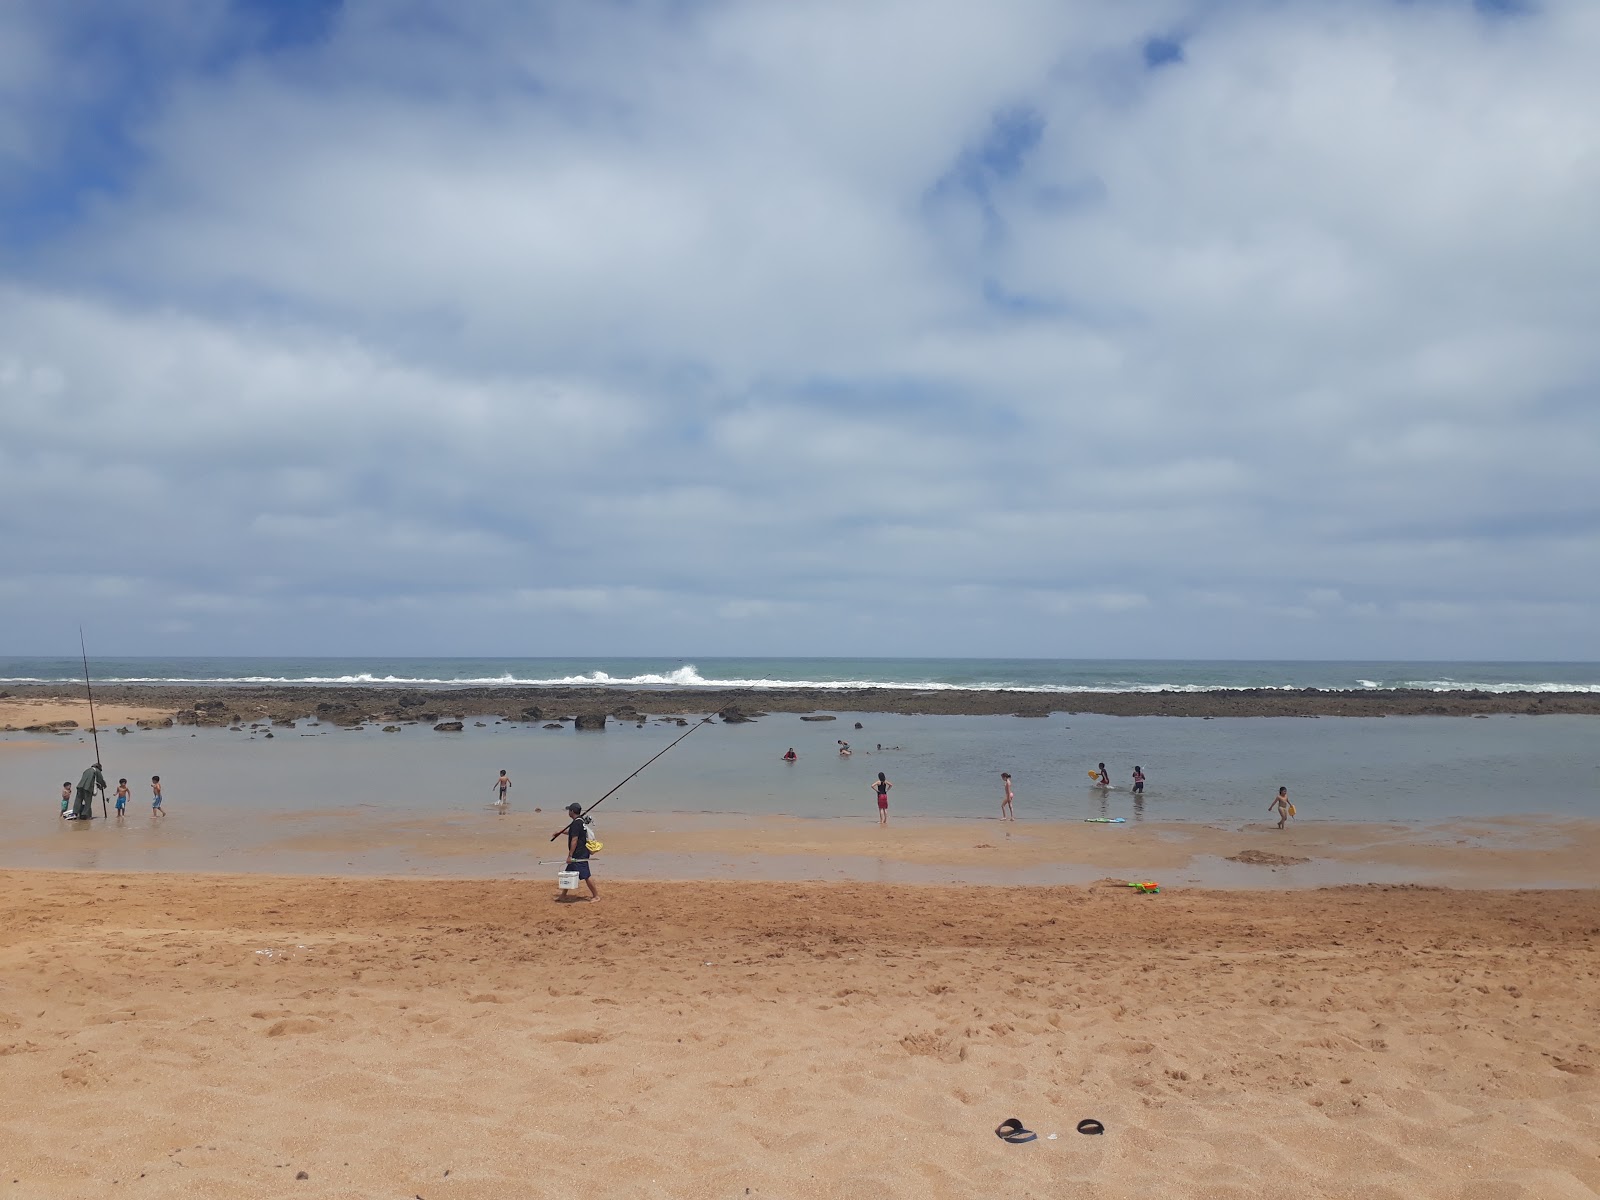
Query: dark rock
{"x": 391, "y": 729}
{"x": 1031, "y": 714}
{"x": 479, "y": 725}
{"x": 211, "y": 704}
{"x": 301, "y": 1175}
{"x": 550, "y": 725}
{"x": 858, "y": 724}
{"x": 819, "y": 717}
{"x": 427, "y": 716}
{"x": 269, "y": 733}
{"x": 590, "y": 720}
{"x": 732, "y": 716}
{"x": 284, "y": 724}
{"x": 533, "y": 713}
{"x": 412, "y": 701}
{"x": 124, "y": 729}
{"x": 449, "y": 727}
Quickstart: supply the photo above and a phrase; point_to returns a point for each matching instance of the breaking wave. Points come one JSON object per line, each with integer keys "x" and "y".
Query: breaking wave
{"x": 689, "y": 676}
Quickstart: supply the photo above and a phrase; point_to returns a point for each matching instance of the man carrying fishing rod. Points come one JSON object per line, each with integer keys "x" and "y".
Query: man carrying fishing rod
{"x": 579, "y": 835}
{"x": 578, "y": 851}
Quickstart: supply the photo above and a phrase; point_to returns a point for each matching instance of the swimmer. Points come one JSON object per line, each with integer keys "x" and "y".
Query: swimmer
{"x": 790, "y": 756}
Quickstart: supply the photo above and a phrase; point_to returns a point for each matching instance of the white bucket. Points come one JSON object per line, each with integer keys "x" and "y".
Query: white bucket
{"x": 567, "y": 880}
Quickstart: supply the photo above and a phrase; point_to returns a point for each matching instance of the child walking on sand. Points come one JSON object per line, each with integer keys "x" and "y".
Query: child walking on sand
{"x": 1281, "y": 803}
{"x": 123, "y": 792}
{"x": 1005, "y": 805}
{"x": 882, "y": 787}
{"x": 155, "y": 797}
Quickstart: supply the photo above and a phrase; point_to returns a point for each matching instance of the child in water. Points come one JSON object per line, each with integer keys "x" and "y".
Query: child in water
{"x": 1104, "y": 781}
{"x": 1281, "y": 803}
{"x": 123, "y": 793}
{"x": 504, "y": 785}
{"x": 66, "y": 798}
{"x": 1138, "y": 778}
{"x": 155, "y": 797}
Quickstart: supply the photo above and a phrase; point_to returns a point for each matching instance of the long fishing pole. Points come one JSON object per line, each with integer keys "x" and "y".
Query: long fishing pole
{"x": 618, "y": 788}
{"x": 94, "y": 728}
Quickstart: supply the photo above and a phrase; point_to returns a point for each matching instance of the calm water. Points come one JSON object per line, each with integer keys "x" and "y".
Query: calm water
{"x": 1045, "y": 675}
{"x": 1349, "y": 769}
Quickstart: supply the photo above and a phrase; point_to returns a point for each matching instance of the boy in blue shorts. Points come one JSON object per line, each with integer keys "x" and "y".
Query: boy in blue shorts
{"x": 122, "y": 797}
{"x": 155, "y": 797}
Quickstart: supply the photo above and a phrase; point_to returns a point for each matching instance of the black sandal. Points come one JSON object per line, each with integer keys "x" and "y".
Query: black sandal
{"x": 1011, "y": 1130}
{"x": 1090, "y": 1125}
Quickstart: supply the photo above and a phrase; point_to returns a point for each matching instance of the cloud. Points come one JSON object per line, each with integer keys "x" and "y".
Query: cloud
{"x": 1165, "y": 328}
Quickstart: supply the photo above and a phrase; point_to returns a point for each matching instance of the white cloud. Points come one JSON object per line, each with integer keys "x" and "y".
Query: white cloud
{"x": 687, "y": 327}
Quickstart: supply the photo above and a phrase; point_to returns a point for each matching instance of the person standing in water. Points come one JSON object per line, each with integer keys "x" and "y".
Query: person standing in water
{"x": 66, "y": 800}
{"x": 881, "y": 787}
{"x": 1281, "y": 803}
{"x": 1138, "y": 779}
{"x": 123, "y": 793}
{"x": 790, "y": 755}
{"x": 155, "y": 797}
{"x": 1005, "y": 805}
{"x": 83, "y": 797}
{"x": 1104, "y": 778}
{"x": 504, "y": 786}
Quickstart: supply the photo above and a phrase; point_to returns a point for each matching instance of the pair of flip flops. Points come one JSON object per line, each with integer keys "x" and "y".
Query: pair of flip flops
{"x": 1012, "y": 1130}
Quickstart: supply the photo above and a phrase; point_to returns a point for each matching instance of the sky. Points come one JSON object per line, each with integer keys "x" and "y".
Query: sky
{"x": 1114, "y": 328}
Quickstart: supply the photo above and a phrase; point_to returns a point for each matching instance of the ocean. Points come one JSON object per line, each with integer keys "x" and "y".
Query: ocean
{"x": 929, "y": 674}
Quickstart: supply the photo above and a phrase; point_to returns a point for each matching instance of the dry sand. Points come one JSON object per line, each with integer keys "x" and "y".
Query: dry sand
{"x": 215, "y": 1036}
{"x": 34, "y": 712}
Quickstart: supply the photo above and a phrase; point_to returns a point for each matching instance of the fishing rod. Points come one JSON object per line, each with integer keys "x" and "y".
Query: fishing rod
{"x": 94, "y": 727}
{"x": 618, "y": 788}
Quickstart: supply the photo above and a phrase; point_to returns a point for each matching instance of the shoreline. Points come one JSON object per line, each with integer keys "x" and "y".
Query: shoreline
{"x": 350, "y": 704}
{"x": 646, "y": 847}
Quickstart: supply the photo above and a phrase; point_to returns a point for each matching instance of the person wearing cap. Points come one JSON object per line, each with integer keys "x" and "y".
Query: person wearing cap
{"x": 578, "y": 851}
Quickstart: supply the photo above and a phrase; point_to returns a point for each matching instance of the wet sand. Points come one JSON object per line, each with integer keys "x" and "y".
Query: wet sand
{"x": 216, "y": 1036}
{"x": 365, "y": 840}
{"x": 349, "y": 704}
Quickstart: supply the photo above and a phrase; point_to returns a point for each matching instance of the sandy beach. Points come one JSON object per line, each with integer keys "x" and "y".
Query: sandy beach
{"x": 217, "y": 1036}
